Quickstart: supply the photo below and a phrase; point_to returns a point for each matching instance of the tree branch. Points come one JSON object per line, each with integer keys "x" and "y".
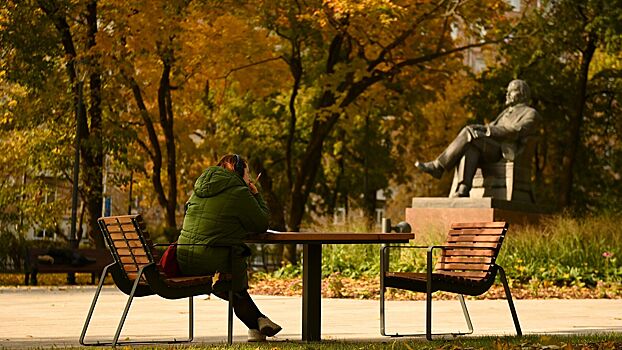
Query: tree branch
{"x": 233, "y": 70}
{"x": 402, "y": 37}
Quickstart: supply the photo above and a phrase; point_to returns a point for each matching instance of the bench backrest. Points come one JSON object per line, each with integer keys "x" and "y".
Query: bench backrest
{"x": 128, "y": 241}
{"x": 477, "y": 246}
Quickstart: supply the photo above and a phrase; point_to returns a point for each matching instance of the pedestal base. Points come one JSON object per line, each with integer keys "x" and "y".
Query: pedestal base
{"x": 435, "y": 214}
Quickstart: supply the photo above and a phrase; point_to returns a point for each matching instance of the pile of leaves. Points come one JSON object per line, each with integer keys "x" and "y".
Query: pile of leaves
{"x": 338, "y": 286}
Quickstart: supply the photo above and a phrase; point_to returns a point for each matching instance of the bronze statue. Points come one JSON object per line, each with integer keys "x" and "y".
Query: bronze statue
{"x": 490, "y": 143}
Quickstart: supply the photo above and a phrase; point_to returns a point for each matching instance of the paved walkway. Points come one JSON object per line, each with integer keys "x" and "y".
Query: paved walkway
{"x": 46, "y": 317}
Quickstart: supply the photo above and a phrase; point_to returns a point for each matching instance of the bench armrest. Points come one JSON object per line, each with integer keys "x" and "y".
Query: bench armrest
{"x": 384, "y": 253}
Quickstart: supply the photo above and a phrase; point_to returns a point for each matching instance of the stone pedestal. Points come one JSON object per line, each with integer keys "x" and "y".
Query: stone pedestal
{"x": 436, "y": 214}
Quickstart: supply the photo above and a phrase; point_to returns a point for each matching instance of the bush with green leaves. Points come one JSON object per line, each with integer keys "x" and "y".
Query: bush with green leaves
{"x": 561, "y": 250}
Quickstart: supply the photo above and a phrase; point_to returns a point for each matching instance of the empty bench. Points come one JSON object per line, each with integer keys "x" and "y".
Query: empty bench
{"x": 38, "y": 261}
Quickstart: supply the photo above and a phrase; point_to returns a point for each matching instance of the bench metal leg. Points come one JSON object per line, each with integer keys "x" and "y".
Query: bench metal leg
{"x": 190, "y": 319}
{"x": 92, "y": 308}
{"x": 127, "y": 307}
{"x": 230, "y": 318}
{"x": 508, "y": 296}
{"x": 465, "y": 311}
{"x": 115, "y": 340}
{"x": 429, "y": 335}
{"x": 428, "y": 332}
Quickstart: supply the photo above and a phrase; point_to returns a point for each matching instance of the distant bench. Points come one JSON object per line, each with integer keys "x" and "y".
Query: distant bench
{"x": 98, "y": 259}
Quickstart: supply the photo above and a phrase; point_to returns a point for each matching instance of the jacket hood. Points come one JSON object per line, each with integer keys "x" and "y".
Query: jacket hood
{"x": 215, "y": 180}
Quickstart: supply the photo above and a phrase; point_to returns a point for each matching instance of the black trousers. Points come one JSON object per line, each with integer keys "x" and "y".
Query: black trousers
{"x": 244, "y": 307}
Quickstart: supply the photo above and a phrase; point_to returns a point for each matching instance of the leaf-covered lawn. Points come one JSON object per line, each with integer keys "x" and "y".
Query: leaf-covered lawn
{"x": 336, "y": 286}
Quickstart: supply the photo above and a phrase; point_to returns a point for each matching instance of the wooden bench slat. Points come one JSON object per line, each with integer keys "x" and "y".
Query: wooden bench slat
{"x": 495, "y": 224}
{"x": 130, "y": 259}
{"x": 475, "y": 245}
{"x": 475, "y": 275}
{"x": 134, "y": 243}
{"x": 470, "y": 267}
{"x": 114, "y": 219}
{"x": 464, "y": 252}
{"x": 135, "y": 251}
{"x": 115, "y": 227}
{"x": 124, "y": 235}
{"x": 475, "y": 239}
{"x": 487, "y": 231}
{"x": 461, "y": 259}
{"x": 132, "y": 268}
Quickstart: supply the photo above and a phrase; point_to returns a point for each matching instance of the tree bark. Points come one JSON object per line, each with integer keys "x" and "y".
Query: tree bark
{"x": 153, "y": 149}
{"x": 166, "y": 121}
{"x": 295, "y": 66}
{"x": 574, "y": 127}
{"x": 92, "y": 148}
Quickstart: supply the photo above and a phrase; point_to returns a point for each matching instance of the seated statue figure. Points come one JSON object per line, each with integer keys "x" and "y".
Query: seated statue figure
{"x": 477, "y": 145}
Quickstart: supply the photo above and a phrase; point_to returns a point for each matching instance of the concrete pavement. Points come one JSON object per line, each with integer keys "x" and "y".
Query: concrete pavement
{"x": 46, "y": 317}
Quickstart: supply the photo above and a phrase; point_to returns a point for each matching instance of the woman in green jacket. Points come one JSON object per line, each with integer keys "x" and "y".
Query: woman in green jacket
{"x": 223, "y": 209}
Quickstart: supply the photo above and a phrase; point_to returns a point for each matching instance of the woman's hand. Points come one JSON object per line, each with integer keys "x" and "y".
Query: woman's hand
{"x": 252, "y": 187}
{"x": 249, "y": 182}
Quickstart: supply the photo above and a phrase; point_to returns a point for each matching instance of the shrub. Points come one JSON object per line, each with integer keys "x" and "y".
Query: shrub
{"x": 562, "y": 250}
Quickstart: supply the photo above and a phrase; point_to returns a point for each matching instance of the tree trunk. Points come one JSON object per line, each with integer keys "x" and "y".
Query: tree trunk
{"x": 153, "y": 149}
{"x": 171, "y": 157}
{"x": 369, "y": 193}
{"x": 574, "y": 127}
{"x": 166, "y": 121}
{"x": 92, "y": 148}
{"x": 275, "y": 206}
{"x": 295, "y": 66}
{"x": 53, "y": 12}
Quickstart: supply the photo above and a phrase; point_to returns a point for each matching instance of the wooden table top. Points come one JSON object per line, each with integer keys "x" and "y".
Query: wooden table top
{"x": 330, "y": 237}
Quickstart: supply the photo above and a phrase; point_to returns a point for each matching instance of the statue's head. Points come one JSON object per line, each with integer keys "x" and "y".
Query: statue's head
{"x": 518, "y": 92}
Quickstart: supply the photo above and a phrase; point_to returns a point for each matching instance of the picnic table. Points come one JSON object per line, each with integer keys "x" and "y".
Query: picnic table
{"x": 312, "y": 265}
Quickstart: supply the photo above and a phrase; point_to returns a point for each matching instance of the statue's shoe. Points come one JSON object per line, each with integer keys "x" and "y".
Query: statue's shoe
{"x": 463, "y": 191}
{"x": 433, "y": 168}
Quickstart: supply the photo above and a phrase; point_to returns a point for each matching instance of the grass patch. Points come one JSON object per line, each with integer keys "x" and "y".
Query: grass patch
{"x": 605, "y": 341}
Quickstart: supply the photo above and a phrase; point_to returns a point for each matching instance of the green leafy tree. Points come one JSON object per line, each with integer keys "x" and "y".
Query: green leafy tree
{"x": 555, "y": 53}
{"x": 338, "y": 52}
{"x": 38, "y": 39}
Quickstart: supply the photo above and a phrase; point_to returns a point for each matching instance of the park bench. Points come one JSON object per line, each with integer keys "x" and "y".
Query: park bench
{"x": 136, "y": 273}
{"x": 466, "y": 266}
{"x": 39, "y": 260}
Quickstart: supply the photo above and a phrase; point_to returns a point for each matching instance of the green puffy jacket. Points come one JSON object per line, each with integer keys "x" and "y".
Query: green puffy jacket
{"x": 221, "y": 211}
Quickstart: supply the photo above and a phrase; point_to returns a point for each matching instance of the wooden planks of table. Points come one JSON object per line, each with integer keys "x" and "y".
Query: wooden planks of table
{"x": 312, "y": 265}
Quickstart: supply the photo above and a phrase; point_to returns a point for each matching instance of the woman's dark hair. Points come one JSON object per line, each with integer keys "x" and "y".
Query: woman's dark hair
{"x": 236, "y": 161}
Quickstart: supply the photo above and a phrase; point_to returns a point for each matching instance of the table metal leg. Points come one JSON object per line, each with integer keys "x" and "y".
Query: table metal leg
{"x": 311, "y": 292}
